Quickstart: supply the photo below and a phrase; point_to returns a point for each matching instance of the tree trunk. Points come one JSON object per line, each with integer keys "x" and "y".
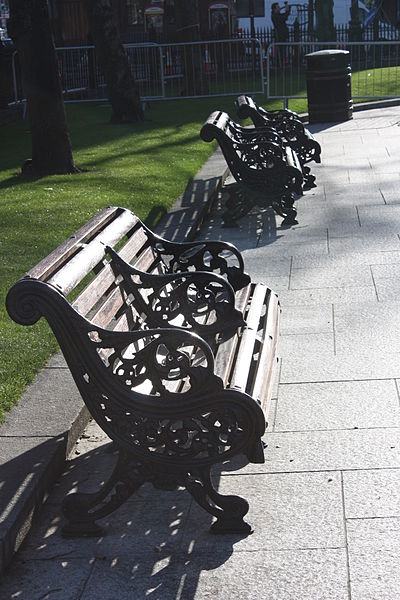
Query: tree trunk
{"x": 310, "y": 26}
{"x": 29, "y": 27}
{"x": 324, "y": 16}
{"x": 187, "y": 17}
{"x": 355, "y": 31}
{"x": 122, "y": 90}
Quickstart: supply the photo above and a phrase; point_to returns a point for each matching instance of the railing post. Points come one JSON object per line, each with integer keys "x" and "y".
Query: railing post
{"x": 162, "y": 71}
{"x": 261, "y": 50}
{"x": 15, "y": 85}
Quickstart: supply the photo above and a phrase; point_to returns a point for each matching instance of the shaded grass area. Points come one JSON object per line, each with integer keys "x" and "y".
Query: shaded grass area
{"x": 144, "y": 167}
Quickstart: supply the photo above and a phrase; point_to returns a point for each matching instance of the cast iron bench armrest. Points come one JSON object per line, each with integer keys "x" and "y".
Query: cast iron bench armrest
{"x": 205, "y": 300}
{"x": 267, "y": 134}
{"x": 205, "y": 255}
{"x": 286, "y": 123}
{"x": 245, "y": 106}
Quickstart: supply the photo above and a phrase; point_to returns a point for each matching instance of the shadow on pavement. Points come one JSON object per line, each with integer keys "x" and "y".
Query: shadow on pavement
{"x": 148, "y": 548}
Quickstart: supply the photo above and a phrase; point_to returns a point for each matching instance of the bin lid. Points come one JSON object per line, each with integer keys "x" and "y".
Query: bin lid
{"x": 327, "y": 53}
{"x": 328, "y": 59}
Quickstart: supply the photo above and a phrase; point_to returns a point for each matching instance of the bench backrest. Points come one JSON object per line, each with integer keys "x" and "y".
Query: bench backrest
{"x": 249, "y": 162}
{"x": 246, "y": 107}
{"x": 80, "y": 271}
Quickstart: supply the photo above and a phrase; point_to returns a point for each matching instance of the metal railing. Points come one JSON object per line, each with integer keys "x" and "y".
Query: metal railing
{"x": 378, "y": 32}
{"x": 165, "y": 71}
{"x": 375, "y": 69}
{"x": 227, "y": 67}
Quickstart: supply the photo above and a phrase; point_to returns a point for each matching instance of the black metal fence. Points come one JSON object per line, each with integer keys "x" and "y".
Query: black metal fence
{"x": 163, "y": 71}
{"x": 381, "y": 31}
{"x": 375, "y": 69}
{"x": 220, "y": 67}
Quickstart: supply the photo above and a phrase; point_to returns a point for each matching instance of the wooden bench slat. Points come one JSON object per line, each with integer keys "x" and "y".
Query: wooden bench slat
{"x": 91, "y": 254}
{"x": 106, "y": 313}
{"x": 145, "y": 261}
{"x": 225, "y": 352}
{"x": 105, "y": 278}
{"x": 248, "y": 339}
{"x": 262, "y": 382}
{"x": 46, "y": 267}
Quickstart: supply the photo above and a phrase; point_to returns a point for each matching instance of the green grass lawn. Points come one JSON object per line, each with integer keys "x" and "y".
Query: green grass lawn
{"x": 144, "y": 167}
{"x": 365, "y": 84}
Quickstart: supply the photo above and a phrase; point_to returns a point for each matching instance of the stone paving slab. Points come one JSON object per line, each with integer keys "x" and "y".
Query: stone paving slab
{"x": 331, "y": 450}
{"x": 372, "y": 494}
{"x": 387, "y": 271}
{"x": 34, "y": 580}
{"x": 387, "y": 290}
{"x": 334, "y": 277}
{"x": 374, "y": 546}
{"x": 287, "y": 511}
{"x": 315, "y": 574}
{"x": 328, "y": 261}
{"x": 390, "y": 192}
{"x": 310, "y": 346}
{"x": 363, "y": 243}
{"x": 28, "y": 467}
{"x": 367, "y": 327}
{"x": 40, "y": 412}
{"x": 338, "y": 405}
{"x": 328, "y": 295}
{"x": 352, "y": 367}
{"x": 307, "y": 319}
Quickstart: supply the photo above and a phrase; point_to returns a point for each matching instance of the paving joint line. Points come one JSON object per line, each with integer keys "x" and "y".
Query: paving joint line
{"x": 374, "y": 283}
{"x": 345, "y": 534}
{"x": 333, "y": 330}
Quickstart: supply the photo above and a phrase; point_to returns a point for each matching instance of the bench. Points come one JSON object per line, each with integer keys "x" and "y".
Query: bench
{"x": 263, "y": 134}
{"x": 265, "y": 173}
{"x": 180, "y": 379}
{"x": 286, "y": 123}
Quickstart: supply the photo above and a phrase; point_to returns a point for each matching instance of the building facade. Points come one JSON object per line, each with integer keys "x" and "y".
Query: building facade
{"x": 142, "y": 20}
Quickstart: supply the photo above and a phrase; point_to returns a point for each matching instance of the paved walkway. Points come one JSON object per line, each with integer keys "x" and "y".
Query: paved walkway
{"x": 325, "y": 506}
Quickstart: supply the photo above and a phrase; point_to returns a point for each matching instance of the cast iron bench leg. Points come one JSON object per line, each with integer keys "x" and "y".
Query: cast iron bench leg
{"x": 237, "y": 205}
{"x": 82, "y": 510}
{"x": 229, "y": 510}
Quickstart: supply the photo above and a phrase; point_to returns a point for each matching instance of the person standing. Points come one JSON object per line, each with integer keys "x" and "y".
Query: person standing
{"x": 279, "y": 19}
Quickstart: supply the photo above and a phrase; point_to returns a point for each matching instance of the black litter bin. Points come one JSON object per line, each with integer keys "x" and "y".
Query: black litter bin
{"x": 329, "y": 86}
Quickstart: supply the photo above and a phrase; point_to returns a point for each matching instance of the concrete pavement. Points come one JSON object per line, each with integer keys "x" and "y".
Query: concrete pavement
{"x": 325, "y": 506}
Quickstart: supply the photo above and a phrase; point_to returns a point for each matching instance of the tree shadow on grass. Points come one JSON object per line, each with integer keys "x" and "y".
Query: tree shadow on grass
{"x": 20, "y": 179}
{"x": 89, "y": 126}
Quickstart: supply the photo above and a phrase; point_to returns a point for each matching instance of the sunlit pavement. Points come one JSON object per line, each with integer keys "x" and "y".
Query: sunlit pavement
{"x": 325, "y": 506}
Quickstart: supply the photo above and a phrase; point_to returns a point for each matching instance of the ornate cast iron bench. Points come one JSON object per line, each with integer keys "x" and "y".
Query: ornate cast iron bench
{"x": 257, "y": 135}
{"x": 174, "y": 402}
{"x": 286, "y": 123}
{"x": 265, "y": 173}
